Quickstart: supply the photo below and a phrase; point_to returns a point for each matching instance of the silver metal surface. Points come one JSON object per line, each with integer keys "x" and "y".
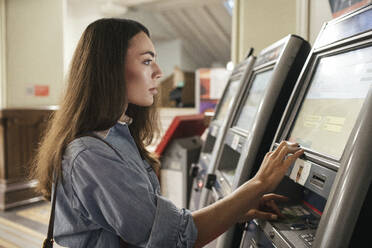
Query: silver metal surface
{"x": 216, "y": 153}
{"x": 281, "y": 66}
{"x": 350, "y": 187}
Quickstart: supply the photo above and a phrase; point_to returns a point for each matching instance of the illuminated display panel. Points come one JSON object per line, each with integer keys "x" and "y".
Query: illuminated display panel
{"x": 248, "y": 113}
{"x": 332, "y": 104}
{"x": 227, "y": 100}
{"x": 253, "y": 100}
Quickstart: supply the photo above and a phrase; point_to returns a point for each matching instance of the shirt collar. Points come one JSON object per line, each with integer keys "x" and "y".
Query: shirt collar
{"x": 124, "y": 120}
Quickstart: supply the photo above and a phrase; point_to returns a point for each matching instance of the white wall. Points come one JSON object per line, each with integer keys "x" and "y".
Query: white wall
{"x": 169, "y": 55}
{"x": 2, "y": 55}
{"x": 187, "y": 63}
{"x": 77, "y": 16}
{"x": 320, "y": 12}
{"x": 259, "y": 23}
{"x": 34, "y": 51}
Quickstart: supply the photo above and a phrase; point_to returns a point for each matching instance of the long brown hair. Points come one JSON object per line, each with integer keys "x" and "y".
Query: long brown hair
{"x": 95, "y": 98}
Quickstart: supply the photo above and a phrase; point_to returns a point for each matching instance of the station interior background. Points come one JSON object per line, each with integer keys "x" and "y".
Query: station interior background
{"x": 38, "y": 37}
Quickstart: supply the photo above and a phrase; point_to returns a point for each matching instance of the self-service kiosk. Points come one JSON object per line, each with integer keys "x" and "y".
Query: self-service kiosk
{"x": 217, "y": 128}
{"x": 253, "y": 127}
{"x": 178, "y": 149}
{"x": 330, "y": 115}
{"x": 176, "y": 163}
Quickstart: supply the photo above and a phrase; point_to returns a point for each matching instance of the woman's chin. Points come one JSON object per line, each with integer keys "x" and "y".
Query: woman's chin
{"x": 144, "y": 104}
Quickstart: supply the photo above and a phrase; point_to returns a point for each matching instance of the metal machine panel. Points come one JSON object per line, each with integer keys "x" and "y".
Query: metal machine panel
{"x": 176, "y": 163}
{"x": 243, "y": 72}
{"x": 254, "y": 125}
{"x": 217, "y": 129}
{"x": 330, "y": 115}
{"x": 345, "y": 27}
{"x": 199, "y": 173}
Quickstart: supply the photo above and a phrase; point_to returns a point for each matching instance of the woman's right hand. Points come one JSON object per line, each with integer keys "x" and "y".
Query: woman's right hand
{"x": 276, "y": 164}
{"x": 266, "y": 209}
{"x": 236, "y": 206}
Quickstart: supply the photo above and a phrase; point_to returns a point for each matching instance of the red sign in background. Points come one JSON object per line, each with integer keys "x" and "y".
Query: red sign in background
{"x": 41, "y": 90}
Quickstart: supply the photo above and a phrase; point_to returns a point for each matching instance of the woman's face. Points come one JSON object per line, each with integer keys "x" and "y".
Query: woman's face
{"x": 141, "y": 71}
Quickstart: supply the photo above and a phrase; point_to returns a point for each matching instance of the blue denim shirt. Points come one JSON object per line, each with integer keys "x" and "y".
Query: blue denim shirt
{"x": 103, "y": 196}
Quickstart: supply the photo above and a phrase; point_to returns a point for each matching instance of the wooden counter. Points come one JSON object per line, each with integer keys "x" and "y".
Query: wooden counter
{"x": 20, "y": 133}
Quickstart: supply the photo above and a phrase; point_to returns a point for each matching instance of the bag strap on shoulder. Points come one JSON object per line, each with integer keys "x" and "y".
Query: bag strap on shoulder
{"x": 48, "y": 242}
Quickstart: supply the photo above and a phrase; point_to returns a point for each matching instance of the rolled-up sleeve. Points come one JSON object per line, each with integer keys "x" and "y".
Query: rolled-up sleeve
{"x": 172, "y": 227}
{"x": 117, "y": 196}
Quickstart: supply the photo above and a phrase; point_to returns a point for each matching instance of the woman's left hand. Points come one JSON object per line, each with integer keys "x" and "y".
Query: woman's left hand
{"x": 266, "y": 208}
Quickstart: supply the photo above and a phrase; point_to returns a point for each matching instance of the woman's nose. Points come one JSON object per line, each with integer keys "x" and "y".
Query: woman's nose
{"x": 157, "y": 72}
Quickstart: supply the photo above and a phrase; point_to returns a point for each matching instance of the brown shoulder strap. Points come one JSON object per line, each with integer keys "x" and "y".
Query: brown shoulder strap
{"x": 48, "y": 242}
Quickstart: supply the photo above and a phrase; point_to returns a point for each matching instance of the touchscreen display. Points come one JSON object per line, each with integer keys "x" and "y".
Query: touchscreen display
{"x": 253, "y": 99}
{"x": 332, "y": 104}
{"x": 227, "y": 100}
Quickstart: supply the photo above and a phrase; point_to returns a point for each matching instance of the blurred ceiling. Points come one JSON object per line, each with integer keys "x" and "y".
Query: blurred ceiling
{"x": 203, "y": 26}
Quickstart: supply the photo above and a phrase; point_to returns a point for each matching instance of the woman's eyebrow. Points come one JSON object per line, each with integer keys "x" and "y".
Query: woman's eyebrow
{"x": 150, "y": 53}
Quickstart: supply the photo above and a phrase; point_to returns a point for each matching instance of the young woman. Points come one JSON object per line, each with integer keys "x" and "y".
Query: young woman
{"x": 110, "y": 196}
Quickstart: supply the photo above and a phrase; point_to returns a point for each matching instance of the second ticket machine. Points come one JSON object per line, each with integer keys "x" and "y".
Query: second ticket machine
{"x": 330, "y": 116}
{"x": 253, "y": 127}
{"x": 217, "y": 128}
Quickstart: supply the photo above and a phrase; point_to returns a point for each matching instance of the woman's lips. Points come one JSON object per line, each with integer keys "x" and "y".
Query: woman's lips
{"x": 154, "y": 91}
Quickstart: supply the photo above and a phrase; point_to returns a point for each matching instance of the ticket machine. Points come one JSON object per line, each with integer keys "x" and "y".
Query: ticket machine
{"x": 178, "y": 149}
{"x": 253, "y": 127}
{"x": 330, "y": 115}
{"x": 217, "y": 128}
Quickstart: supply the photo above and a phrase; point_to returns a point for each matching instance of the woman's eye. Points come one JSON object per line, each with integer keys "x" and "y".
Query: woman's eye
{"x": 147, "y": 62}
